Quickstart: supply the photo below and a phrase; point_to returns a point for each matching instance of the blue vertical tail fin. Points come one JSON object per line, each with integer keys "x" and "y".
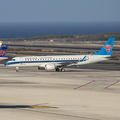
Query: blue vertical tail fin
{"x": 3, "y": 50}
{"x": 107, "y": 48}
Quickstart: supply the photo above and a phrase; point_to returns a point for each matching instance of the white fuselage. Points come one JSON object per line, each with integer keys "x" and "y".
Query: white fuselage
{"x": 41, "y": 61}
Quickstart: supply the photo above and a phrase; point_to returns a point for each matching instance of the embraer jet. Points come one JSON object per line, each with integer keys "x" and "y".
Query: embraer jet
{"x": 59, "y": 62}
{"x": 3, "y": 52}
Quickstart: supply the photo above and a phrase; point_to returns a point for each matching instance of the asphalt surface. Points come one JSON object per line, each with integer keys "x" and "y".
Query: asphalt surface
{"x": 60, "y": 47}
{"x": 86, "y": 92}
{"x": 76, "y": 94}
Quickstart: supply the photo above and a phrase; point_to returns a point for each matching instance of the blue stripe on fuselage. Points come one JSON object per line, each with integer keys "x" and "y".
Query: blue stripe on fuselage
{"x": 55, "y": 61}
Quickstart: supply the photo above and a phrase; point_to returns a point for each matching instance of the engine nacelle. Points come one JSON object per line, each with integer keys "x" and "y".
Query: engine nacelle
{"x": 49, "y": 66}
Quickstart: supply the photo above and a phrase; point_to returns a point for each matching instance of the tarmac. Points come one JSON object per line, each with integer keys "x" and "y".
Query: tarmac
{"x": 84, "y": 93}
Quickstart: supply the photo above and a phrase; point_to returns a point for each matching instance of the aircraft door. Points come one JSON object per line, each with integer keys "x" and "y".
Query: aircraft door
{"x": 21, "y": 61}
{"x": 92, "y": 58}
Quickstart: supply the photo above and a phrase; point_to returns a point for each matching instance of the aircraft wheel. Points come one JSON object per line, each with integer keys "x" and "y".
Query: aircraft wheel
{"x": 57, "y": 69}
{"x": 62, "y": 70}
{"x": 17, "y": 69}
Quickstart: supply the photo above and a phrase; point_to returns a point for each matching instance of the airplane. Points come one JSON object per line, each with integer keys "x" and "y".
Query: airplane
{"x": 3, "y": 51}
{"x": 60, "y": 61}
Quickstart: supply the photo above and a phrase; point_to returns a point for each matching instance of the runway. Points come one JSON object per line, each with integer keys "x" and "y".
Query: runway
{"x": 76, "y": 94}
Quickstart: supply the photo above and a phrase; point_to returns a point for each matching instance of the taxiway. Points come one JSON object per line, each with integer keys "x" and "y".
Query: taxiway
{"x": 76, "y": 94}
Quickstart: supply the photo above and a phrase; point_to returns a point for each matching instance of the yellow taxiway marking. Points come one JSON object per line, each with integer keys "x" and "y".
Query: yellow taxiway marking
{"x": 24, "y": 106}
{"x": 40, "y": 107}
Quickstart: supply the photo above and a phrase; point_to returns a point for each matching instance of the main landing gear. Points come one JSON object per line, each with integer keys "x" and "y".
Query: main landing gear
{"x": 60, "y": 69}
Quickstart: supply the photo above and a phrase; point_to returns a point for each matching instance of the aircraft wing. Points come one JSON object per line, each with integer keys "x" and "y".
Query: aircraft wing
{"x": 69, "y": 63}
{"x": 75, "y": 62}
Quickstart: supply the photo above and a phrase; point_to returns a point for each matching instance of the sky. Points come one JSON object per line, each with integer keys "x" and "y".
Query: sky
{"x": 59, "y": 10}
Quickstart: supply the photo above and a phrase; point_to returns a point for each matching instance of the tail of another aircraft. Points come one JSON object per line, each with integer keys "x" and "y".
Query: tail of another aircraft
{"x": 3, "y": 50}
{"x": 107, "y": 48}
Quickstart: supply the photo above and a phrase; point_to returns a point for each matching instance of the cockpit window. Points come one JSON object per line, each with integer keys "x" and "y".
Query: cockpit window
{"x": 13, "y": 59}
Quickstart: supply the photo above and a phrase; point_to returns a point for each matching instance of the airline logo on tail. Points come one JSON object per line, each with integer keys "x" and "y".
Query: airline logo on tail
{"x": 2, "y": 52}
{"x": 107, "y": 47}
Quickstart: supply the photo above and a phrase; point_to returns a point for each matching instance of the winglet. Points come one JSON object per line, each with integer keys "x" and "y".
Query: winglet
{"x": 85, "y": 58}
{"x": 3, "y": 50}
{"x": 107, "y": 48}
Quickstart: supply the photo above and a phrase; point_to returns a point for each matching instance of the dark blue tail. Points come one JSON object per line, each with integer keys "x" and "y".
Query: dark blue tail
{"x": 3, "y": 50}
{"x": 107, "y": 48}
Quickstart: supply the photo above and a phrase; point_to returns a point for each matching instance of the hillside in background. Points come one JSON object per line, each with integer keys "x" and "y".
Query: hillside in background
{"x": 69, "y": 38}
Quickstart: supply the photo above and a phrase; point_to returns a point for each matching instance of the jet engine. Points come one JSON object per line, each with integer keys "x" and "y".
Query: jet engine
{"x": 49, "y": 66}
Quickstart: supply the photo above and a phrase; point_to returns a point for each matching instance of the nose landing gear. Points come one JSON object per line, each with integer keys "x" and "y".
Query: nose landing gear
{"x": 17, "y": 69}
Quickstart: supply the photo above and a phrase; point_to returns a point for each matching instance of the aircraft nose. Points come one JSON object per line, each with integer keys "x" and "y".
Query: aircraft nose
{"x": 6, "y": 64}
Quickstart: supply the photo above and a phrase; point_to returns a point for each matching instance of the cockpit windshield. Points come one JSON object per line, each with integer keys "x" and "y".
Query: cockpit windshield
{"x": 13, "y": 60}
